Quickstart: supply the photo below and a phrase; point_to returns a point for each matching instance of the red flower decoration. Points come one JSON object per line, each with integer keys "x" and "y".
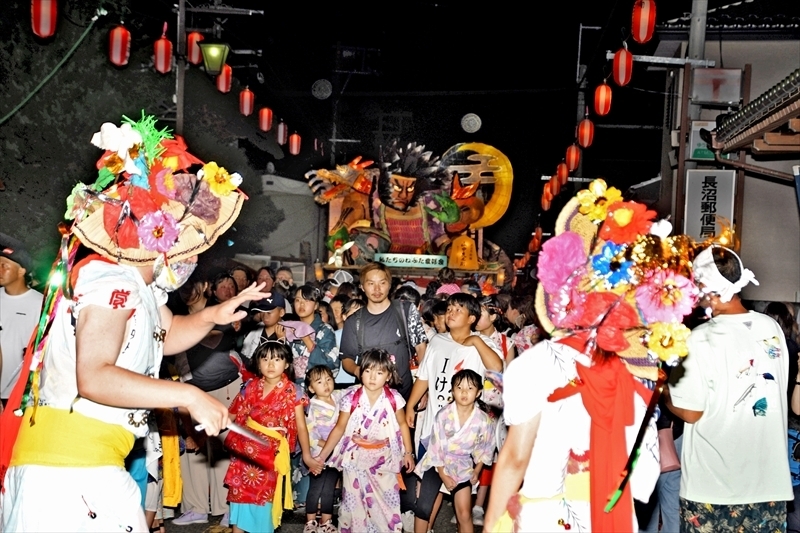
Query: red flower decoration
{"x": 611, "y": 316}
{"x": 625, "y": 221}
{"x": 175, "y": 154}
{"x": 120, "y": 224}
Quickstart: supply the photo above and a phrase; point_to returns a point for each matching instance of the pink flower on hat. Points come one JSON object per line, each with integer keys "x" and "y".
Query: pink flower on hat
{"x": 158, "y": 231}
{"x": 559, "y": 258}
{"x": 666, "y": 297}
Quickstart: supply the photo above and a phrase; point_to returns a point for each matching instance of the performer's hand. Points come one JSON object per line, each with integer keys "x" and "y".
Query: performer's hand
{"x": 280, "y": 331}
{"x": 449, "y": 483}
{"x": 226, "y": 312}
{"x": 408, "y": 462}
{"x": 208, "y": 411}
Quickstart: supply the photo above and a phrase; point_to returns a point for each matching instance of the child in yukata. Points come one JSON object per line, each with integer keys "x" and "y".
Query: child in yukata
{"x": 372, "y": 444}
{"x": 323, "y": 413}
{"x": 462, "y": 442}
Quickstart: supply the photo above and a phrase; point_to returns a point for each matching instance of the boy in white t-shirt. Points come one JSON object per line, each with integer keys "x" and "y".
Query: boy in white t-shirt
{"x": 447, "y": 353}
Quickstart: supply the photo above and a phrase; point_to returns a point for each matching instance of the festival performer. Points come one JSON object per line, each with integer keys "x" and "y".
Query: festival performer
{"x": 462, "y": 442}
{"x": 104, "y": 330}
{"x": 373, "y": 444}
{"x": 580, "y": 415}
{"x": 258, "y": 478}
{"x": 323, "y": 413}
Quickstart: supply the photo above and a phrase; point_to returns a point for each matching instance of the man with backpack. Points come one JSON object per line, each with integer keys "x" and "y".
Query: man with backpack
{"x": 392, "y": 325}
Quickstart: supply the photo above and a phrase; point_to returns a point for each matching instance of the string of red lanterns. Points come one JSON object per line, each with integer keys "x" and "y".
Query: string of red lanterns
{"x": 44, "y": 16}
{"x": 642, "y": 27}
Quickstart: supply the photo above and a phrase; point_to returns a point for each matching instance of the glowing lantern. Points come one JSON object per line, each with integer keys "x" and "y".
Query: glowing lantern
{"x": 585, "y": 133}
{"x": 548, "y": 191}
{"x": 224, "y": 79}
{"x": 546, "y": 203}
{"x": 283, "y": 133}
{"x": 555, "y": 183}
{"x": 44, "y": 14}
{"x": 194, "y": 55}
{"x": 644, "y": 20}
{"x": 602, "y": 99}
{"x": 119, "y": 45}
{"x": 573, "y": 158}
{"x": 265, "y": 119}
{"x": 561, "y": 177}
{"x": 162, "y": 50}
{"x": 246, "y": 100}
{"x": 294, "y": 144}
{"x": 623, "y": 66}
{"x": 463, "y": 254}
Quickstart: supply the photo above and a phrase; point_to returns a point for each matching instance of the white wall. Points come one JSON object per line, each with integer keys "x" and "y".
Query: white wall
{"x": 304, "y": 219}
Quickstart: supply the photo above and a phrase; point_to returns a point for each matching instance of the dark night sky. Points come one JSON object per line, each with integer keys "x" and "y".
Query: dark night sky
{"x": 512, "y": 63}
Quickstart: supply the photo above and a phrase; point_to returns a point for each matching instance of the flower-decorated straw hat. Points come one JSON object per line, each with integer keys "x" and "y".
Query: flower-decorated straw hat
{"x": 145, "y": 203}
{"x": 613, "y": 279}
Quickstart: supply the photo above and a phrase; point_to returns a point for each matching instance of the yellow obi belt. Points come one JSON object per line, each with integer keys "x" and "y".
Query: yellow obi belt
{"x": 61, "y": 438}
{"x": 283, "y": 467}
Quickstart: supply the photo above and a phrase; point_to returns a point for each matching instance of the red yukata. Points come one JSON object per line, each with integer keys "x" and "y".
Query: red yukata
{"x": 251, "y": 476}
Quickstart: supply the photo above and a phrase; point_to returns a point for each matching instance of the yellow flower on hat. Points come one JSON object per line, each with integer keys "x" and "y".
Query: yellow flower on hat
{"x": 219, "y": 181}
{"x": 596, "y": 199}
{"x": 668, "y": 341}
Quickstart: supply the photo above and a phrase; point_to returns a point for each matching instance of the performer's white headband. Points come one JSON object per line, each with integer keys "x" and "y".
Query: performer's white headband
{"x": 705, "y": 272}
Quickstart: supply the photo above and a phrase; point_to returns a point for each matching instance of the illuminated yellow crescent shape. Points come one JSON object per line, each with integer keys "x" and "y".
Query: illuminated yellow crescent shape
{"x": 503, "y": 177}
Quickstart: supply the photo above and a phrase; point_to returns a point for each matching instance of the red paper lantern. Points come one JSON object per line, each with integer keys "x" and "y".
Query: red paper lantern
{"x": 585, "y": 133}
{"x": 119, "y": 45}
{"x": 246, "y": 100}
{"x": 555, "y": 183}
{"x": 546, "y": 203}
{"x": 162, "y": 50}
{"x": 283, "y": 133}
{"x": 224, "y": 79}
{"x": 44, "y": 15}
{"x": 562, "y": 175}
{"x": 265, "y": 119}
{"x": 623, "y": 66}
{"x": 573, "y": 158}
{"x": 548, "y": 190}
{"x": 644, "y": 20}
{"x": 194, "y": 55}
{"x": 294, "y": 144}
{"x": 602, "y": 99}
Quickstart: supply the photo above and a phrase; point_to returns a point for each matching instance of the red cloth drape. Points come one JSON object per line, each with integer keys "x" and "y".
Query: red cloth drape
{"x": 607, "y": 391}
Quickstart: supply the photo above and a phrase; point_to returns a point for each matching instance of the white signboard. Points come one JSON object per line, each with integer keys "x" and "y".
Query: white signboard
{"x": 709, "y": 193}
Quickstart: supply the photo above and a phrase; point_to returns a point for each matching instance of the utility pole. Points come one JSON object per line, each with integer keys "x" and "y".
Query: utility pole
{"x": 180, "y": 76}
{"x": 697, "y": 42}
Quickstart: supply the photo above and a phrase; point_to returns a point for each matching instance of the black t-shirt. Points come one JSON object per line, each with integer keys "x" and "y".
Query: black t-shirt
{"x": 385, "y": 331}
{"x": 212, "y": 368}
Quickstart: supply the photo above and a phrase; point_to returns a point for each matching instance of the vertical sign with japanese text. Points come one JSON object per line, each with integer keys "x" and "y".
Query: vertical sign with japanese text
{"x": 709, "y": 193}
